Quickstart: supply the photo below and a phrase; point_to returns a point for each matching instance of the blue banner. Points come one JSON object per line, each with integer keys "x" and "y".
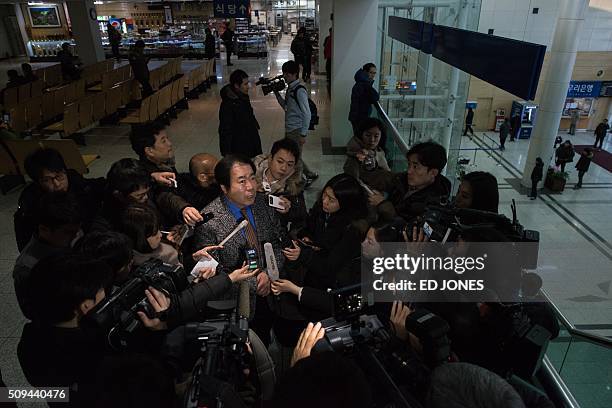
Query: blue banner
{"x": 584, "y": 89}
{"x": 232, "y": 8}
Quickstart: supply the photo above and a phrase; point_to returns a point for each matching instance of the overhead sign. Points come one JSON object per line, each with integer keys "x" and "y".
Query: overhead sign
{"x": 606, "y": 88}
{"x": 583, "y": 89}
{"x": 232, "y": 8}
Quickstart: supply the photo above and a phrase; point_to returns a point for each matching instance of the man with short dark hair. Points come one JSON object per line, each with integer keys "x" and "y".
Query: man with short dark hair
{"x": 600, "y": 134}
{"x": 49, "y": 174}
{"x": 55, "y": 350}
{"x": 240, "y": 200}
{"x": 58, "y": 225}
{"x": 297, "y": 111}
{"x": 422, "y": 184}
{"x": 278, "y": 174}
{"x": 363, "y": 95}
{"x": 228, "y": 41}
{"x": 238, "y": 128}
{"x": 28, "y": 73}
{"x": 113, "y": 248}
{"x": 152, "y": 144}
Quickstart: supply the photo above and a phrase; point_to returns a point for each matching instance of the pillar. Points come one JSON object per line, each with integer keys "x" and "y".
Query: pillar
{"x": 354, "y": 44}
{"x": 558, "y": 75}
{"x": 325, "y": 10}
{"x": 85, "y": 30}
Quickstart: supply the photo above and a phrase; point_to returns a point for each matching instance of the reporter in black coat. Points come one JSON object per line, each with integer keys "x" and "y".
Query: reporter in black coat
{"x": 238, "y": 128}
{"x": 330, "y": 246}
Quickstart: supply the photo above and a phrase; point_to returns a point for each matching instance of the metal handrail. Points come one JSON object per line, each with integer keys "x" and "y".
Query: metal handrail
{"x": 553, "y": 383}
{"x": 393, "y": 130}
{"x": 569, "y": 326}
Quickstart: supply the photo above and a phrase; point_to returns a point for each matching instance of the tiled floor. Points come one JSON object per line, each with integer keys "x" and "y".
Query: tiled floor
{"x": 576, "y": 227}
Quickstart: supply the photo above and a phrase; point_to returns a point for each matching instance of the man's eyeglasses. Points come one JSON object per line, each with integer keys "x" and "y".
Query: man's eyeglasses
{"x": 60, "y": 177}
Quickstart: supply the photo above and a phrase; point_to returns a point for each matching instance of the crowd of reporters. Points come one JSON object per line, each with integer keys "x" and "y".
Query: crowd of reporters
{"x": 82, "y": 240}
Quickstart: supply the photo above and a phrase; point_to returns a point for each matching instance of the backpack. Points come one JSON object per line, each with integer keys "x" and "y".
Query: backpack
{"x": 314, "y": 117}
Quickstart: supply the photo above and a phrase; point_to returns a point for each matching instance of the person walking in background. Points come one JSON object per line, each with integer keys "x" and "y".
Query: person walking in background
{"x": 363, "y": 95}
{"x": 209, "y": 44}
{"x": 565, "y": 154}
{"x": 114, "y": 38}
{"x": 307, "y": 63}
{"x": 504, "y": 130}
{"x": 140, "y": 67}
{"x": 574, "y": 118}
{"x": 327, "y": 54}
{"x": 70, "y": 64}
{"x": 515, "y": 123}
{"x": 536, "y": 175}
{"x": 583, "y": 164}
{"x": 600, "y": 134}
{"x": 238, "y": 128}
{"x": 469, "y": 119}
{"x": 228, "y": 41}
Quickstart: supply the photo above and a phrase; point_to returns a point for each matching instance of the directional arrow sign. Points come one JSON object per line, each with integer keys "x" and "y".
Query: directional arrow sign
{"x": 232, "y": 8}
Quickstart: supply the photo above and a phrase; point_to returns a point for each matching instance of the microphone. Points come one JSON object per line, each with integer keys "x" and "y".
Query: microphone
{"x": 244, "y": 305}
{"x": 271, "y": 261}
{"x": 240, "y": 226}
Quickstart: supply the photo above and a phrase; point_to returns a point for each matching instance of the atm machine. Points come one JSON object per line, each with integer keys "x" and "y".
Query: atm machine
{"x": 527, "y": 112}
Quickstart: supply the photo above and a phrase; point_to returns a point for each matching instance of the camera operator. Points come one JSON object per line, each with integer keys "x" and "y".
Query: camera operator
{"x": 322, "y": 380}
{"x": 154, "y": 148}
{"x": 240, "y": 201}
{"x": 297, "y": 111}
{"x": 277, "y": 175}
{"x": 48, "y": 171}
{"x": 238, "y": 127}
{"x": 422, "y": 184}
{"x": 58, "y": 220}
{"x": 54, "y": 350}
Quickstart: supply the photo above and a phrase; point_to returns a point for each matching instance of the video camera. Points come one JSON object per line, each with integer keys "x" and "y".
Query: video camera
{"x": 367, "y": 341}
{"x": 117, "y": 313}
{"x": 268, "y": 85}
{"x": 447, "y": 223}
{"x": 220, "y": 369}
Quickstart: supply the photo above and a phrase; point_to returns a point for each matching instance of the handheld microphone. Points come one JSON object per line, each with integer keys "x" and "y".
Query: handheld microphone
{"x": 244, "y": 305}
{"x": 272, "y": 266}
{"x": 240, "y": 226}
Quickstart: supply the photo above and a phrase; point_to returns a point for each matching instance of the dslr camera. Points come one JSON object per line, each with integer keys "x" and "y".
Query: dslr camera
{"x": 268, "y": 85}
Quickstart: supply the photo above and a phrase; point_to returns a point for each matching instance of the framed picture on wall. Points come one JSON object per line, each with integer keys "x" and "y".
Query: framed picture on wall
{"x": 44, "y": 16}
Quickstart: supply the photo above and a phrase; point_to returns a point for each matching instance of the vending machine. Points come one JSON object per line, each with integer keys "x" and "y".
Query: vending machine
{"x": 527, "y": 112}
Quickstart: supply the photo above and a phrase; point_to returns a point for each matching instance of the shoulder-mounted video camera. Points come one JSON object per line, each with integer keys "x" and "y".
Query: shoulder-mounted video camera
{"x": 268, "y": 85}
{"x": 117, "y": 313}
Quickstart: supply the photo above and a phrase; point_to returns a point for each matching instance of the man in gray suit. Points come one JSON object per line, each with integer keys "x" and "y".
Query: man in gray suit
{"x": 240, "y": 200}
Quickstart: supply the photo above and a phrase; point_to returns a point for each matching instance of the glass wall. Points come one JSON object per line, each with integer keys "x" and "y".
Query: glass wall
{"x": 424, "y": 97}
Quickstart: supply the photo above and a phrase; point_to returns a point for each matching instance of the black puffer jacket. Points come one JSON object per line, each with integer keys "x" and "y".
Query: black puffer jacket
{"x": 363, "y": 96}
{"x": 238, "y": 128}
{"x": 89, "y": 193}
{"x": 408, "y": 206}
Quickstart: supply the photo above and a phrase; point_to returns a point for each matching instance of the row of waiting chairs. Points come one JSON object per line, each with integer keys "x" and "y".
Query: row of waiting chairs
{"x": 112, "y": 78}
{"x": 51, "y": 75}
{"x": 44, "y": 108}
{"x": 92, "y": 74}
{"x": 161, "y": 75}
{"x": 200, "y": 75}
{"x": 91, "y": 109}
{"x": 158, "y": 103}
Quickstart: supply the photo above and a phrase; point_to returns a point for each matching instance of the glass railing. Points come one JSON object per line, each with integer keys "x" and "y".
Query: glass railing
{"x": 583, "y": 362}
{"x": 395, "y": 146}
